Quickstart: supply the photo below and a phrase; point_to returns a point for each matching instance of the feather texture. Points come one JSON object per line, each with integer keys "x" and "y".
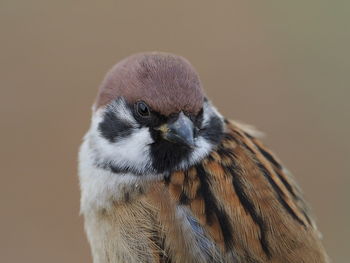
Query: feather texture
{"x": 247, "y": 204}
{"x": 236, "y": 205}
{"x": 200, "y": 189}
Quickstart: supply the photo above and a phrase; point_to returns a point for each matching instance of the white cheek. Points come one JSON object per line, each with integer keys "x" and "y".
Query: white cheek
{"x": 131, "y": 151}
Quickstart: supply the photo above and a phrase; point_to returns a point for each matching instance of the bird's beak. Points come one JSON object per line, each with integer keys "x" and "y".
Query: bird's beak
{"x": 179, "y": 131}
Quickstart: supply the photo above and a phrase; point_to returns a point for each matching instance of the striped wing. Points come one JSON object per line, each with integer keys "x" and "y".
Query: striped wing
{"x": 247, "y": 204}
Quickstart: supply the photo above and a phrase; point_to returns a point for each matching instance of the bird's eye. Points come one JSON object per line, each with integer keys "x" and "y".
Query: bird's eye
{"x": 142, "y": 109}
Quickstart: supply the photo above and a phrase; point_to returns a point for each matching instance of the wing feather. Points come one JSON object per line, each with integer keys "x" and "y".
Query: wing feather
{"x": 247, "y": 203}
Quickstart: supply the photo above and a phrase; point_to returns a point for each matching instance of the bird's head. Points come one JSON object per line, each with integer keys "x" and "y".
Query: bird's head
{"x": 151, "y": 117}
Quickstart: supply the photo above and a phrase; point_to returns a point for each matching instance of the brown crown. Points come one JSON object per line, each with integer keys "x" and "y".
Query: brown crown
{"x": 166, "y": 82}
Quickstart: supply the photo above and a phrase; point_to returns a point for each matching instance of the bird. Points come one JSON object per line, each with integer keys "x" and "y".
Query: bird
{"x": 164, "y": 177}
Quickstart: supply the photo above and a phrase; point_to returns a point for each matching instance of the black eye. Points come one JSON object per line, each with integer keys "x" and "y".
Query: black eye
{"x": 142, "y": 109}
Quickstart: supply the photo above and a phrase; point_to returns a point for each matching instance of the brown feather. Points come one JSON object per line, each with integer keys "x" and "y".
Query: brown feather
{"x": 246, "y": 206}
{"x": 263, "y": 210}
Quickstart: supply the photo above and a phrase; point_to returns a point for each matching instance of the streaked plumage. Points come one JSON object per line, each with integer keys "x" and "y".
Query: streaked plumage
{"x": 225, "y": 198}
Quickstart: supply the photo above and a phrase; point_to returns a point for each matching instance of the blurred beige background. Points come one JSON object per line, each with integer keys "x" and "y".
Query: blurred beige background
{"x": 282, "y": 66}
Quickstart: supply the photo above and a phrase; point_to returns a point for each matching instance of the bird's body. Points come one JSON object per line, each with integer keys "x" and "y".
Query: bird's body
{"x": 155, "y": 190}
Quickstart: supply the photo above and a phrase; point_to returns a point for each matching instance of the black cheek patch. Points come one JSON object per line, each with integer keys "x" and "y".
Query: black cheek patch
{"x": 113, "y": 128}
{"x": 213, "y": 132}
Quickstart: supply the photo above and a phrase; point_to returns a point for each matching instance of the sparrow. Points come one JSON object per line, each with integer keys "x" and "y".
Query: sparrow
{"x": 164, "y": 177}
